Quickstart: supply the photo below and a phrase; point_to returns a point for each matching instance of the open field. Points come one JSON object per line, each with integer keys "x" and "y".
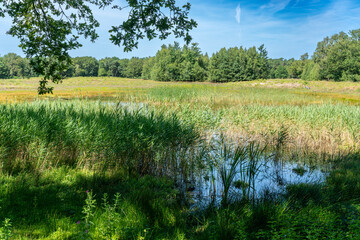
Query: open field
{"x": 319, "y": 92}
{"x": 111, "y": 158}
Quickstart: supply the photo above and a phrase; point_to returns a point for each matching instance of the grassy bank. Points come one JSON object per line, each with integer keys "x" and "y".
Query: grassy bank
{"x": 69, "y": 203}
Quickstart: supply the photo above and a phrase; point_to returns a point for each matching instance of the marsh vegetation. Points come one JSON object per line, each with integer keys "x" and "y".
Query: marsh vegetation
{"x": 140, "y": 159}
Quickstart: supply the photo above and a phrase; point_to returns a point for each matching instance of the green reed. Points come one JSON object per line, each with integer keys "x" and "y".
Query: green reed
{"x": 92, "y": 135}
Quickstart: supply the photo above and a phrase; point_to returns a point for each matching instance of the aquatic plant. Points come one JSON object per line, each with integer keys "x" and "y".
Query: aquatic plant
{"x": 230, "y": 159}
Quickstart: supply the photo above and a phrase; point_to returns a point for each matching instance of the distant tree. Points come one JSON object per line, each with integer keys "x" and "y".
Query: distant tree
{"x": 25, "y": 68}
{"x": 338, "y": 56}
{"x": 134, "y": 68}
{"x": 102, "y": 72}
{"x": 296, "y": 69}
{"x": 86, "y": 66}
{"x": 4, "y": 71}
{"x": 13, "y": 64}
{"x": 304, "y": 57}
{"x": 217, "y": 66}
{"x": 175, "y": 63}
{"x": 193, "y": 64}
{"x": 69, "y": 72}
{"x": 147, "y": 68}
{"x": 281, "y": 72}
{"x": 239, "y": 64}
{"x": 262, "y": 68}
{"x": 311, "y": 71}
{"x": 109, "y": 67}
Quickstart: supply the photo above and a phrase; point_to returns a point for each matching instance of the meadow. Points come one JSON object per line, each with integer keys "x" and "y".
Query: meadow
{"x": 112, "y": 158}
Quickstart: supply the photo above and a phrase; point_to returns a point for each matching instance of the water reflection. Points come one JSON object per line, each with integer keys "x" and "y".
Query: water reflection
{"x": 254, "y": 174}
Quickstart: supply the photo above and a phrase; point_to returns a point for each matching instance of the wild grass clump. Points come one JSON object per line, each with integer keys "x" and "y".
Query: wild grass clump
{"x": 5, "y": 230}
{"x": 93, "y": 135}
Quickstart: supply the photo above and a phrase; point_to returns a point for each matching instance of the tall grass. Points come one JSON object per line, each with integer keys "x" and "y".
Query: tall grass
{"x": 92, "y": 135}
{"x": 325, "y": 124}
{"x": 232, "y": 169}
{"x": 321, "y": 129}
{"x": 229, "y": 162}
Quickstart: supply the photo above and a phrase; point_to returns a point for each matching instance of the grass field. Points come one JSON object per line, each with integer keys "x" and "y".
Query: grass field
{"x": 319, "y": 92}
{"x": 80, "y": 165}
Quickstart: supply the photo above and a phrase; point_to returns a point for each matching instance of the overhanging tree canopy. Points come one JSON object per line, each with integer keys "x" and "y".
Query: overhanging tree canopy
{"x": 49, "y": 29}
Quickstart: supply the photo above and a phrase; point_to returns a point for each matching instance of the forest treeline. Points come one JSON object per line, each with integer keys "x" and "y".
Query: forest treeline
{"x": 335, "y": 58}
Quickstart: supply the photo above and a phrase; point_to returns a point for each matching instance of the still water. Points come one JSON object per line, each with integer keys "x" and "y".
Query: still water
{"x": 271, "y": 176}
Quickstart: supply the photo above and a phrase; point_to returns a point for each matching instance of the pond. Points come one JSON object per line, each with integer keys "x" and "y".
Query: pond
{"x": 235, "y": 171}
{"x": 271, "y": 176}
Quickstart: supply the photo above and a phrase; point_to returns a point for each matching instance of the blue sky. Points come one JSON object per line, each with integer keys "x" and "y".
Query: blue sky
{"x": 288, "y": 28}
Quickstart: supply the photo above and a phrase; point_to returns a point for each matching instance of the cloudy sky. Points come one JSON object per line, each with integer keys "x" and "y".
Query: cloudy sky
{"x": 288, "y": 28}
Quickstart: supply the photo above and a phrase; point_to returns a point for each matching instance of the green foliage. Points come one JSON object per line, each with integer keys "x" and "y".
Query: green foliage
{"x": 281, "y": 72}
{"x": 54, "y": 205}
{"x": 53, "y": 152}
{"x": 173, "y": 63}
{"x": 311, "y": 71}
{"x": 344, "y": 180}
{"x": 114, "y": 67}
{"x": 134, "y": 68}
{"x": 143, "y": 24}
{"x": 147, "y": 68}
{"x": 229, "y": 161}
{"x": 296, "y": 69}
{"x": 306, "y": 193}
{"x": 338, "y": 57}
{"x": 5, "y": 230}
{"x": 88, "y": 209}
{"x": 278, "y": 67}
{"x": 12, "y": 65}
{"x": 238, "y": 64}
{"x": 85, "y": 66}
{"x": 4, "y": 70}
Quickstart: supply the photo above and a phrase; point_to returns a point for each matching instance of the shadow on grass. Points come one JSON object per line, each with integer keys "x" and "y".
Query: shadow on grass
{"x": 51, "y": 205}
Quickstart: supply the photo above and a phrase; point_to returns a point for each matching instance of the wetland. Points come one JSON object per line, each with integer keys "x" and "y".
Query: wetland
{"x": 140, "y": 159}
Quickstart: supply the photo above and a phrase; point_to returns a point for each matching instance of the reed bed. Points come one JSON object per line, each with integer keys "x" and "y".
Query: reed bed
{"x": 316, "y": 123}
{"x": 92, "y": 135}
{"x": 321, "y": 129}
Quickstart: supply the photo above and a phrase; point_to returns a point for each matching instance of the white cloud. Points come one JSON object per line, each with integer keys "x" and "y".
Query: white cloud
{"x": 276, "y": 5}
{"x": 238, "y": 14}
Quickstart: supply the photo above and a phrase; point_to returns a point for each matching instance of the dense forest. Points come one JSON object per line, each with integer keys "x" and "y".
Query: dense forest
{"x": 335, "y": 58}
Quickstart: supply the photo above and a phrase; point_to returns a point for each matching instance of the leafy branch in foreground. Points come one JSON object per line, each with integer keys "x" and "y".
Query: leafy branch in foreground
{"x": 49, "y": 29}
